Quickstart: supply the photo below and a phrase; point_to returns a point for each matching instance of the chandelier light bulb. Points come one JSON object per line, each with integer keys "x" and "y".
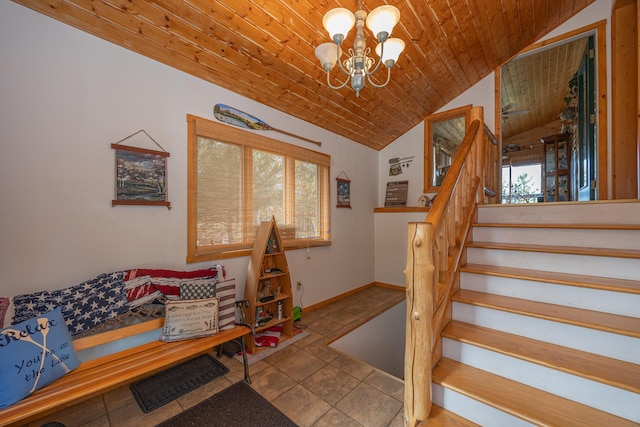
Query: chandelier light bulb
{"x": 338, "y": 22}
{"x": 381, "y": 21}
{"x": 327, "y": 53}
{"x": 393, "y": 47}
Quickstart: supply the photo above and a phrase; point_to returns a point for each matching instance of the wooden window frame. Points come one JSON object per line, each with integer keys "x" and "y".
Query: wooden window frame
{"x": 199, "y": 127}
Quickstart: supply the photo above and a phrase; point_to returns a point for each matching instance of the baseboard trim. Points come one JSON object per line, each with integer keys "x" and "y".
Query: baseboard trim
{"x": 382, "y": 309}
{"x": 349, "y": 293}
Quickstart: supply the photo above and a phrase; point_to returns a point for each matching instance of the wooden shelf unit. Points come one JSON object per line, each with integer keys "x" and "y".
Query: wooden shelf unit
{"x": 262, "y": 281}
{"x": 557, "y": 168}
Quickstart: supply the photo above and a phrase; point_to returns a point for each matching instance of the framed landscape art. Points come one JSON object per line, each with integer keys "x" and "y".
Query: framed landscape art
{"x": 140, "y": 177}
{"x": 344, "y": 193}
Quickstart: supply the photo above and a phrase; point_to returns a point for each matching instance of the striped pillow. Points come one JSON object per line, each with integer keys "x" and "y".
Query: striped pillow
{"x": 226, "y": 291}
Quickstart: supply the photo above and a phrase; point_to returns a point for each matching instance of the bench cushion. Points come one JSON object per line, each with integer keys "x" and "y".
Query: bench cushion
{"x": 33, "y": 354}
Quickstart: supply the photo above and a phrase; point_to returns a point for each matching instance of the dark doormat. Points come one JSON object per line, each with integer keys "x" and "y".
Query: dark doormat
{"x": 165, "y": 386}
{"x": 236, "y": 405}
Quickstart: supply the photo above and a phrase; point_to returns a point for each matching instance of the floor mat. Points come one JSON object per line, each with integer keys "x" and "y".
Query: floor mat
{"x": 163, "y": 387}
{"x": 236, "y": 405}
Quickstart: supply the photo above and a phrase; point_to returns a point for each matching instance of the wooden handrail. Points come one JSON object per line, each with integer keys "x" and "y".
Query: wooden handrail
{"x": 492, "y": 167}
{"x": 490, "y": 135}
{"x": 451, "y": 179}
{"x": 434, "y": 252}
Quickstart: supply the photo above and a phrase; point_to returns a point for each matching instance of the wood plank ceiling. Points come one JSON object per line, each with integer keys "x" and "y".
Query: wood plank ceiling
{"x": 534, "y": 86}
{"x": 264, "y": 50}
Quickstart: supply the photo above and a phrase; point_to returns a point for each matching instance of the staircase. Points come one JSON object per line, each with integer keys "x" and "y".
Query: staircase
{"x": 546, "y": 324}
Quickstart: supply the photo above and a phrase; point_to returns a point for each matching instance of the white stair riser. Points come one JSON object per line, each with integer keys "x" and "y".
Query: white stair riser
{"x": 623, "y": 304}
{"x": 586, "y": 238}
{"x": 620, "y": 212}
{"x": 597, "y": 395}
{"x": 473, "y": 410}
{"x": 593, "y": 341}
{"x": 620, "y": 268}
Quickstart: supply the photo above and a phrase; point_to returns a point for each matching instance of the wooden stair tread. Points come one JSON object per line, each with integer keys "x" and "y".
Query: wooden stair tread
{"x": 575, "y": 316}
{"x": 613, "y": 372}
{"x": 559, "y": 225}
{"x": 528, "y": 403}
{"x": 603, "y": 283}
{"x": 440, "y": 417}
{"x": 571, "y": 250}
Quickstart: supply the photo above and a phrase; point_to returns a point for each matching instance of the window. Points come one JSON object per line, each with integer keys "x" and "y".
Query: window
{"x": 522, "y": 184}
{"x": 239, "y": 178}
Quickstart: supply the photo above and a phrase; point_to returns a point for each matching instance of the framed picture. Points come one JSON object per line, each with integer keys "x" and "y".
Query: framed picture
{"x": 396, "y": 193}
{"x": 344, "y": 193}
{"x": 140, "y": 176}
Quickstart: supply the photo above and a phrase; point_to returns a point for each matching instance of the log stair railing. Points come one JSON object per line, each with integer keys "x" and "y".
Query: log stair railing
{"x": 434, "y": 254}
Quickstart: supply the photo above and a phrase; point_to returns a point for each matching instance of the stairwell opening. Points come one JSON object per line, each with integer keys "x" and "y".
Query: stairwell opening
{"x": 379, "y": 342}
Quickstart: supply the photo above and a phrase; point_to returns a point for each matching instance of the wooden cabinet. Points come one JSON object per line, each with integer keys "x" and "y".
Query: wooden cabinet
{"x": 268, "y": 285}
{"x": 557, "y": 168}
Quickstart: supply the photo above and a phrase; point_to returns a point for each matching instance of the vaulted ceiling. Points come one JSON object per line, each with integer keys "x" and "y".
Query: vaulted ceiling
{"x": 535, "y": 85}
{"x": 264, "y": 50}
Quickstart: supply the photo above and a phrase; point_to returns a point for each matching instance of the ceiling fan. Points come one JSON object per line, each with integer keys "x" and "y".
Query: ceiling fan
{"x": 506, "y": 111}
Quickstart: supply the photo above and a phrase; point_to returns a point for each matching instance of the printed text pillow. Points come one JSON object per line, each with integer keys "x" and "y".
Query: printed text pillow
{"x": 186, "y": 319}
{"x": 33, "y": 354}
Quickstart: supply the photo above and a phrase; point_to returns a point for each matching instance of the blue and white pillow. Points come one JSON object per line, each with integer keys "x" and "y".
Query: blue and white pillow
{"x": 83, "y": 306}
{"x": 33, "y": 354}
{"x": 198, "y": 288}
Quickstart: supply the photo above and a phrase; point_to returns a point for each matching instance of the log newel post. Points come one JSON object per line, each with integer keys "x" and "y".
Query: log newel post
{"x": 417, "y": 365}
{"x": 434, "y": 253}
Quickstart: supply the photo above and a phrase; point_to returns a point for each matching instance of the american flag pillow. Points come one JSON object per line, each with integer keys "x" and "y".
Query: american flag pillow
{"x": 83, "y": 306}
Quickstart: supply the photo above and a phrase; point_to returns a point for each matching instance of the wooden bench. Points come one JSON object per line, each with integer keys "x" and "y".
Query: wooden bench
{"x": 109, "y": 372}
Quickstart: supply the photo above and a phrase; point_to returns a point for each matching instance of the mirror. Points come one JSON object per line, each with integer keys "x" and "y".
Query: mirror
{"x": 443, "y": 134}
{"x": 547, "y": 91}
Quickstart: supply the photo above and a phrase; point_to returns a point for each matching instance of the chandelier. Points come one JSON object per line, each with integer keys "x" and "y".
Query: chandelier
{"x": 359, "y": 66}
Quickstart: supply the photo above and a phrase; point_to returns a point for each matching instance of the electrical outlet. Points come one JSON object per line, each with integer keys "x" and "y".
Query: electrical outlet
{"x": 299, "y": 286}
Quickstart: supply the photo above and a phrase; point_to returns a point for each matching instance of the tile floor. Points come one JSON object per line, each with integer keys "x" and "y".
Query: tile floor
{"x": 310, "y": 382}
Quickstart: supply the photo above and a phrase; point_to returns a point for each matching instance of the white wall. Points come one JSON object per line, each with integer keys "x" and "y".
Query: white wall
{"x": 65, "y": 96}
{"x": 379, "y": 342}
{"x": 390, "y": 241}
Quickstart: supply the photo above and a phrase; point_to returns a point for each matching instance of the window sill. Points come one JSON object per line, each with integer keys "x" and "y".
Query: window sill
{"x": 402, "y": 209}
{"x": 288, "y": 246}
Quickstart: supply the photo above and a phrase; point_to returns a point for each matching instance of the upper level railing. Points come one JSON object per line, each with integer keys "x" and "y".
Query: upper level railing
{"x": 434, "y": 252}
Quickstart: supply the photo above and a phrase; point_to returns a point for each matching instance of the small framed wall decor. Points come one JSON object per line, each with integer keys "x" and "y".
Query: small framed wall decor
{"x": 140, "y": 175}
{"x": 344, "y": 191}
{"x": 396, "y": 193}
